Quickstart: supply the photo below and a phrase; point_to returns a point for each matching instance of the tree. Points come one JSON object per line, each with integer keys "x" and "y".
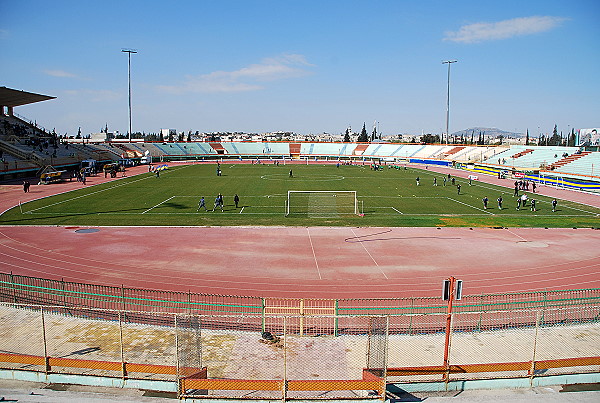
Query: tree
{"x": 347, "y": 136}
{"x": 374, "y": 134}
{"x": 555, "y": 140}
{"x": 363, "y": 137}
{"x": 527, "y": 138}
{"x": 571, "y": 139}
{"x": 430, "y": 138}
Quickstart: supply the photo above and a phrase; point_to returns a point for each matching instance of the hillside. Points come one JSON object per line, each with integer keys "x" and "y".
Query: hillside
{"x": 489, "y": 132}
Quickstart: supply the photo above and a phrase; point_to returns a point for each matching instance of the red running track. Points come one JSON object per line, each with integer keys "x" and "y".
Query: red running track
{"x": 301, "y": 262}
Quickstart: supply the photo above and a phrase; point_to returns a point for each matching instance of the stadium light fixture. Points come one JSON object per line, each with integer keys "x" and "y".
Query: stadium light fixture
{"x": 448, "y": 62}
{"x": 129, "y": 52}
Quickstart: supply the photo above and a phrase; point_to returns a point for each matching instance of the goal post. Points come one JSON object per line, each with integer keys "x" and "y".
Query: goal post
{"x": 321, "y": 203}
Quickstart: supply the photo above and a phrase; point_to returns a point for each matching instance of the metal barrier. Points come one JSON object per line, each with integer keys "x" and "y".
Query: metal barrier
{"x": 327, "y": 316}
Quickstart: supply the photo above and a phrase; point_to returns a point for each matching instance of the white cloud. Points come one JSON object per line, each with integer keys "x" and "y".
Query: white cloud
{"x": 60, "y": 73}
{"x": 247, "y": 78}
{"x": 488, "y": 31}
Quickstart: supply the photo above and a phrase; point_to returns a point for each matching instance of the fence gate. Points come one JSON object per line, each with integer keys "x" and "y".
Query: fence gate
{"x": 312, "y": 317}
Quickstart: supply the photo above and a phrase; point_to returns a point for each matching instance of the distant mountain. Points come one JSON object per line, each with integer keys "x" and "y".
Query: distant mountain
{"x": 489, "y": 132}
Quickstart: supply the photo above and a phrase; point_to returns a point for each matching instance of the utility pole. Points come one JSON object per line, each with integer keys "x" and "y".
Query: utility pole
{"x": 448, "y": 62}
{"x": 129, "y": 52}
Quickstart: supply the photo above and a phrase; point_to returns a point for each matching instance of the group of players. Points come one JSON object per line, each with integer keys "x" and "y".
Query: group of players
{"x": 218, "y": 202}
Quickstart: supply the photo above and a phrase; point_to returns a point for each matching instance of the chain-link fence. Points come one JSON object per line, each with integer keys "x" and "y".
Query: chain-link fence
{"x": 281, "y": 362}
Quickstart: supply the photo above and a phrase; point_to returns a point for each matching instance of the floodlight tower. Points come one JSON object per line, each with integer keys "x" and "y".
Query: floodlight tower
{"x": 129, "y": 52}
{"x": 448, "y": 62}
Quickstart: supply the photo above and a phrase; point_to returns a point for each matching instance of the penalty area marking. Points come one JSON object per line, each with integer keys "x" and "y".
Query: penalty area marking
{"x": 397, "y": 211}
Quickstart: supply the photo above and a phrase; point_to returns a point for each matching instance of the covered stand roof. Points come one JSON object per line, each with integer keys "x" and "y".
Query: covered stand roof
{"x": 12, "y": 98}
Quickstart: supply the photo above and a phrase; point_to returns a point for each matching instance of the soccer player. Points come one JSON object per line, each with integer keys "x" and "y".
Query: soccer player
{"x": 218, "y": 202}
{"x": 485, "y": 202}
{"x": 499, "y": 200}
{"x": 524, "y": 199}
{"x": 201, "y": 204}
{"x": 236, "y": 200}
{"x": 458, "y": 188}
{"x": 554, "y": 203}
{"x": 418, "y": 181}
{"x": 533, "y": 205}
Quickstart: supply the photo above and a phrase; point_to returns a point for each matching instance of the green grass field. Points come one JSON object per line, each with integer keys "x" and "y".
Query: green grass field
{"x": 387, "y": 198}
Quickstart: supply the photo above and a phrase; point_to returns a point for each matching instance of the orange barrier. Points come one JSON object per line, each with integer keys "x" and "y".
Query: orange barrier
{"x": 124, "y": 367}
{"x": 370, "y": 381}
{"x": 231, "y": 384}
{"x": 491, "y": 367}
{"x": 22, "y": 359}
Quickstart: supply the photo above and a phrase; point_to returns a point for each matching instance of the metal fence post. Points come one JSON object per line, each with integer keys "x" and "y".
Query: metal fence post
{"x": 532, "y": 368}
{"x": 262, "y": 310}
{"x": 46, "y": 358}
{"x": 123, "y": 363}
{"x": 385, "y": 357}
{"x": 123, "y": 297}
{"x": 285, "y": 380}
{"x": 12, "y": 283}
{"x": 336, "y": 320}
{"x": 176, "y": 350}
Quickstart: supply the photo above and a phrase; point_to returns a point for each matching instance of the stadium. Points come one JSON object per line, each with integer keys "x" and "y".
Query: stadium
{"x": 338, "y": 260}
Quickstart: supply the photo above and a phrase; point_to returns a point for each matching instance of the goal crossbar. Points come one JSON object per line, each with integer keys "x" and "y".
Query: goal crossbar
{"x": 321, "y": 203}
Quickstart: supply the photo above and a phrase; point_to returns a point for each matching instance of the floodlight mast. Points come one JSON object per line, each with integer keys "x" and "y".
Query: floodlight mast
{"x": 129, "y": 52}
{"x": 448, "y": 62}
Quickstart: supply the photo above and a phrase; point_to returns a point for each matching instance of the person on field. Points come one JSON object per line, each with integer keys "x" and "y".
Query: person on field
{"x": 291, "y": 174}
{"x": 485, "y": 202}
{"x": 201, "y": 204}
{"x": 554, "y": 203}
{"x": 524, "y": 199}
{"x": 236, "y": 200}
{"x": 499, "y": 200}
{"x": 218, "y": 202}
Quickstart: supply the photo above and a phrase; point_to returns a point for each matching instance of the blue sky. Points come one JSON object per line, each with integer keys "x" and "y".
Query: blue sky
{"x": 305, "y": 66}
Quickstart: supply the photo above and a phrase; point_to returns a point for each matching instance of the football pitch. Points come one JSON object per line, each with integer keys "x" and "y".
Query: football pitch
{"x": 387, "y": 198}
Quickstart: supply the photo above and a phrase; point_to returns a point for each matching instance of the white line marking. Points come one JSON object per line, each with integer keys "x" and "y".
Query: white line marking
{"x": 476, "y": 208}
{"x": 87, "y": 194}
{"x": 242, "y": 209}
{"x": 398, "y": 211}
{"x": 371, "y": 256}
{"x": 164, "y": 201}
{"x": 314, "y": 254}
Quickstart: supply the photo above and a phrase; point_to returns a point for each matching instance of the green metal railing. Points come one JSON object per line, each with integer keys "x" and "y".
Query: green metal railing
{"x": 581, "y": 305}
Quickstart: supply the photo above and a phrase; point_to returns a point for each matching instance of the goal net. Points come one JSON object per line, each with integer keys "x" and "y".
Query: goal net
{"x": 321, "y": 203}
